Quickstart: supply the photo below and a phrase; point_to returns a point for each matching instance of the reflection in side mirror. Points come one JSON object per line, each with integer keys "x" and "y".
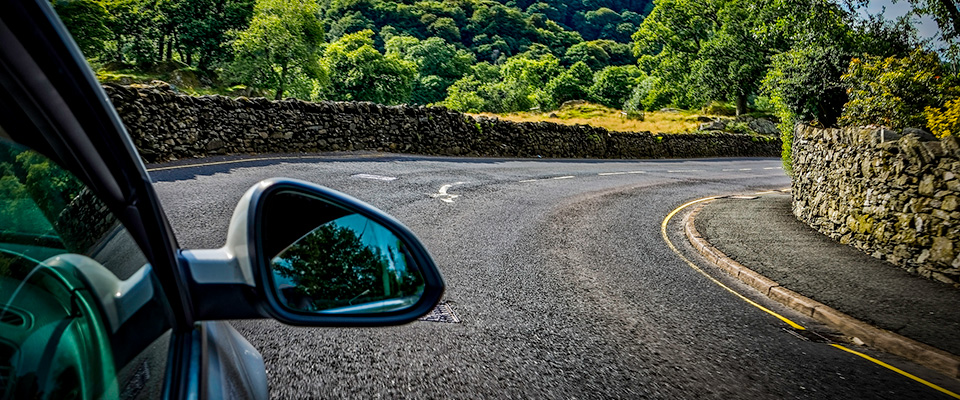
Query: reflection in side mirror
{"x": 307, "y": 255}
{"x": 348, "y": 265}
{"x": 323, "y": 258}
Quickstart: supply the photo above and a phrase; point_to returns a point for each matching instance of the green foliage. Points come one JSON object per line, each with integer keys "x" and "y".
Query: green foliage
{"x": 358, "y": 72}
{"x": 201, "y": 27}
{"x": 895, "y": 91}
{"x": 944, "y": 121}
{"x": 572, "y": 84}
{"x": 280, "y": 48}
{"x": 332, "y": 266}
{"x": 86, "y": 20}
{"x": 438, "y": 64}
{"x": 589, "y": 53}
{"x": 519, "y": 85}
{"x": 613, "y": 86}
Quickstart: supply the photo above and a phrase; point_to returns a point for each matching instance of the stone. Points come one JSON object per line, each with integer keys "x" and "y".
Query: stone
{"x": 884, "y": 135}
{"x": 921, "y": 134}
{"x": 214, "y": 144}
{"x": 927, "y": 186}
{"x": 942, "y": 250}
{"x": 713, "y": 126}
{"x": 763, "y": 126}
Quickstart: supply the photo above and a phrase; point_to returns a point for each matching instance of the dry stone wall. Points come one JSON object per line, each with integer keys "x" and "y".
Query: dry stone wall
{"x": 895, "y": 197}
{"x": 167, "y": 126}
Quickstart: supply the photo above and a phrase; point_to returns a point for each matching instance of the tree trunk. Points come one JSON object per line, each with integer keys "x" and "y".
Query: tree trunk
{"x": 160, "y": 43}
{"x": 741, "y": 104}
{"x": 189, "y": 59}
{"x": 170, "y": 48}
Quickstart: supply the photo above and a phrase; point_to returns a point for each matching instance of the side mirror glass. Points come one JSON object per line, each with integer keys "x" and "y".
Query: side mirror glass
{"x": 325, "y": 258}
{"x": 350, "y": 264}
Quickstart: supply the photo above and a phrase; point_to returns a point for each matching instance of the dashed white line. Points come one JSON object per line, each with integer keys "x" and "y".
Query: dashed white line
{"x": 547, "y": 179}
{"x": 686, "y": 170}
{"x": 621, "y": 173}
{"x": 375, "y": 177}
{"x": 746, "y": 169}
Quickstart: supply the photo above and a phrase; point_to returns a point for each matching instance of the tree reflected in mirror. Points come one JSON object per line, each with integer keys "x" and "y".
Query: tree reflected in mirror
{"x": 349, "y": 265}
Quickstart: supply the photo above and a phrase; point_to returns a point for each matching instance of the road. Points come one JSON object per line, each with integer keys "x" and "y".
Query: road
{"x": 564, "y": 286}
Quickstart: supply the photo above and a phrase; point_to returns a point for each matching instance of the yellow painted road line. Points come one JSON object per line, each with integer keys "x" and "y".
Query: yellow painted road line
{"x": 899, "y": 371}
{"x": 663, "y": 231}
{"x": 227, "y": 162}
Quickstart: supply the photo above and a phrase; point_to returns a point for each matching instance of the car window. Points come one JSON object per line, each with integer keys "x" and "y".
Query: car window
{"x": 75, "y": 290}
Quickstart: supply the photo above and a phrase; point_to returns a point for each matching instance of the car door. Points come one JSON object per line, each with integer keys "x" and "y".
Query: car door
{"x": 105, "y": 303}
{"x": 61, "y": 135}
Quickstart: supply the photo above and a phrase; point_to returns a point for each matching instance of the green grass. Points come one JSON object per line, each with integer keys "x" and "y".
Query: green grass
{"x": 597, "y": 115}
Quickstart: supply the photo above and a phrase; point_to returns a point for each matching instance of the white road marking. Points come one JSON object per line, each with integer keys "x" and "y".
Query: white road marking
{"x": 621, "y": 173}
{"x": 547, "y": 179}
{"x": 685, "y": 170}
{"x": 746, "y": 169}
{"x": 443, "y": 195}
{"x": 375, "y": 177}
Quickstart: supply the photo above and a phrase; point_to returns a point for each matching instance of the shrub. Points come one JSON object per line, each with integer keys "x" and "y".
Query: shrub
{"x": 895, "y": 91}
{"x": 944, "y": 121}
{"x": 613, "y": 86}
{"x": 803, "y": 84}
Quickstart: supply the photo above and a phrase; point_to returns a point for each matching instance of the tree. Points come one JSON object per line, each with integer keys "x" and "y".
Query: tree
{"x": 358, "y": 72}
{"x": 613, "y": 85}
{"x": 134, "y": 32}
{"x": 572, "y": 84}
{"x": 590, "y": 53}
{"x": 86, "y": 20}
{"x": 667, "y": 45}
{"x": 280, "y": 46}
{"x": 895, "y": 91}
{"x": 438, "y": 63}
{"x": 331, "y": 266}
{"x": 734, "y": 60}
{"x": 201, "y": 27}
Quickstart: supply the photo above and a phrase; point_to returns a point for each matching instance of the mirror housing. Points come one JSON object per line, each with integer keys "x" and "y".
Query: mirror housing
{"x": 238, "y": 280}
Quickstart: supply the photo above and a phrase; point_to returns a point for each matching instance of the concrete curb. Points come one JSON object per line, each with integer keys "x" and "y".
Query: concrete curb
{"x": 920, "y": 353}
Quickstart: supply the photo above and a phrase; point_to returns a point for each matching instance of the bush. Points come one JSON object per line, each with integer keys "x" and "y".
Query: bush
{"x": 803, "y": 84}
{"x": 895, "y": 91}
{"x": 944, "y": 121}
{"x": 613, "y": 86}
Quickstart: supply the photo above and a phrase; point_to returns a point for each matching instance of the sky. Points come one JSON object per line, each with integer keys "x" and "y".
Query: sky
{"x": 926, "y": 26}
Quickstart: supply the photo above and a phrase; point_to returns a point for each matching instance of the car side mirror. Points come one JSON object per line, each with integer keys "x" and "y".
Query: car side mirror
{"x": 308, "y": 255}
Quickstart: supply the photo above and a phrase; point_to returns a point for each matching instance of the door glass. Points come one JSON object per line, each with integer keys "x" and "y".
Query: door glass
{"x": 78, "y": 307}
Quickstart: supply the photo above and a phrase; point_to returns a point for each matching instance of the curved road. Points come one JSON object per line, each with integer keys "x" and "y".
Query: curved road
{"x": 560, "y": 277}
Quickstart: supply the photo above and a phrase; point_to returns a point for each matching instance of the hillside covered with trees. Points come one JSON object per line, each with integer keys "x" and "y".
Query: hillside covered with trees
{"x": 804, "y": 60}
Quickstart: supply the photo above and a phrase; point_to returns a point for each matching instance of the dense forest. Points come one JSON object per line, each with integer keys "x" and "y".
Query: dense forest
{"x": 811, "y": 60}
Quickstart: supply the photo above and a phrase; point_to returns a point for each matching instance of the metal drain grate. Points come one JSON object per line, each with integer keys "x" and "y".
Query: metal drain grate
{"x": 442, "y": 313}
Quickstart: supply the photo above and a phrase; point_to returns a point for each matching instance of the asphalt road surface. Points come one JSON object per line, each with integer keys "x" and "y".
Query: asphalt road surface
{"x": 564, "y": 286}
